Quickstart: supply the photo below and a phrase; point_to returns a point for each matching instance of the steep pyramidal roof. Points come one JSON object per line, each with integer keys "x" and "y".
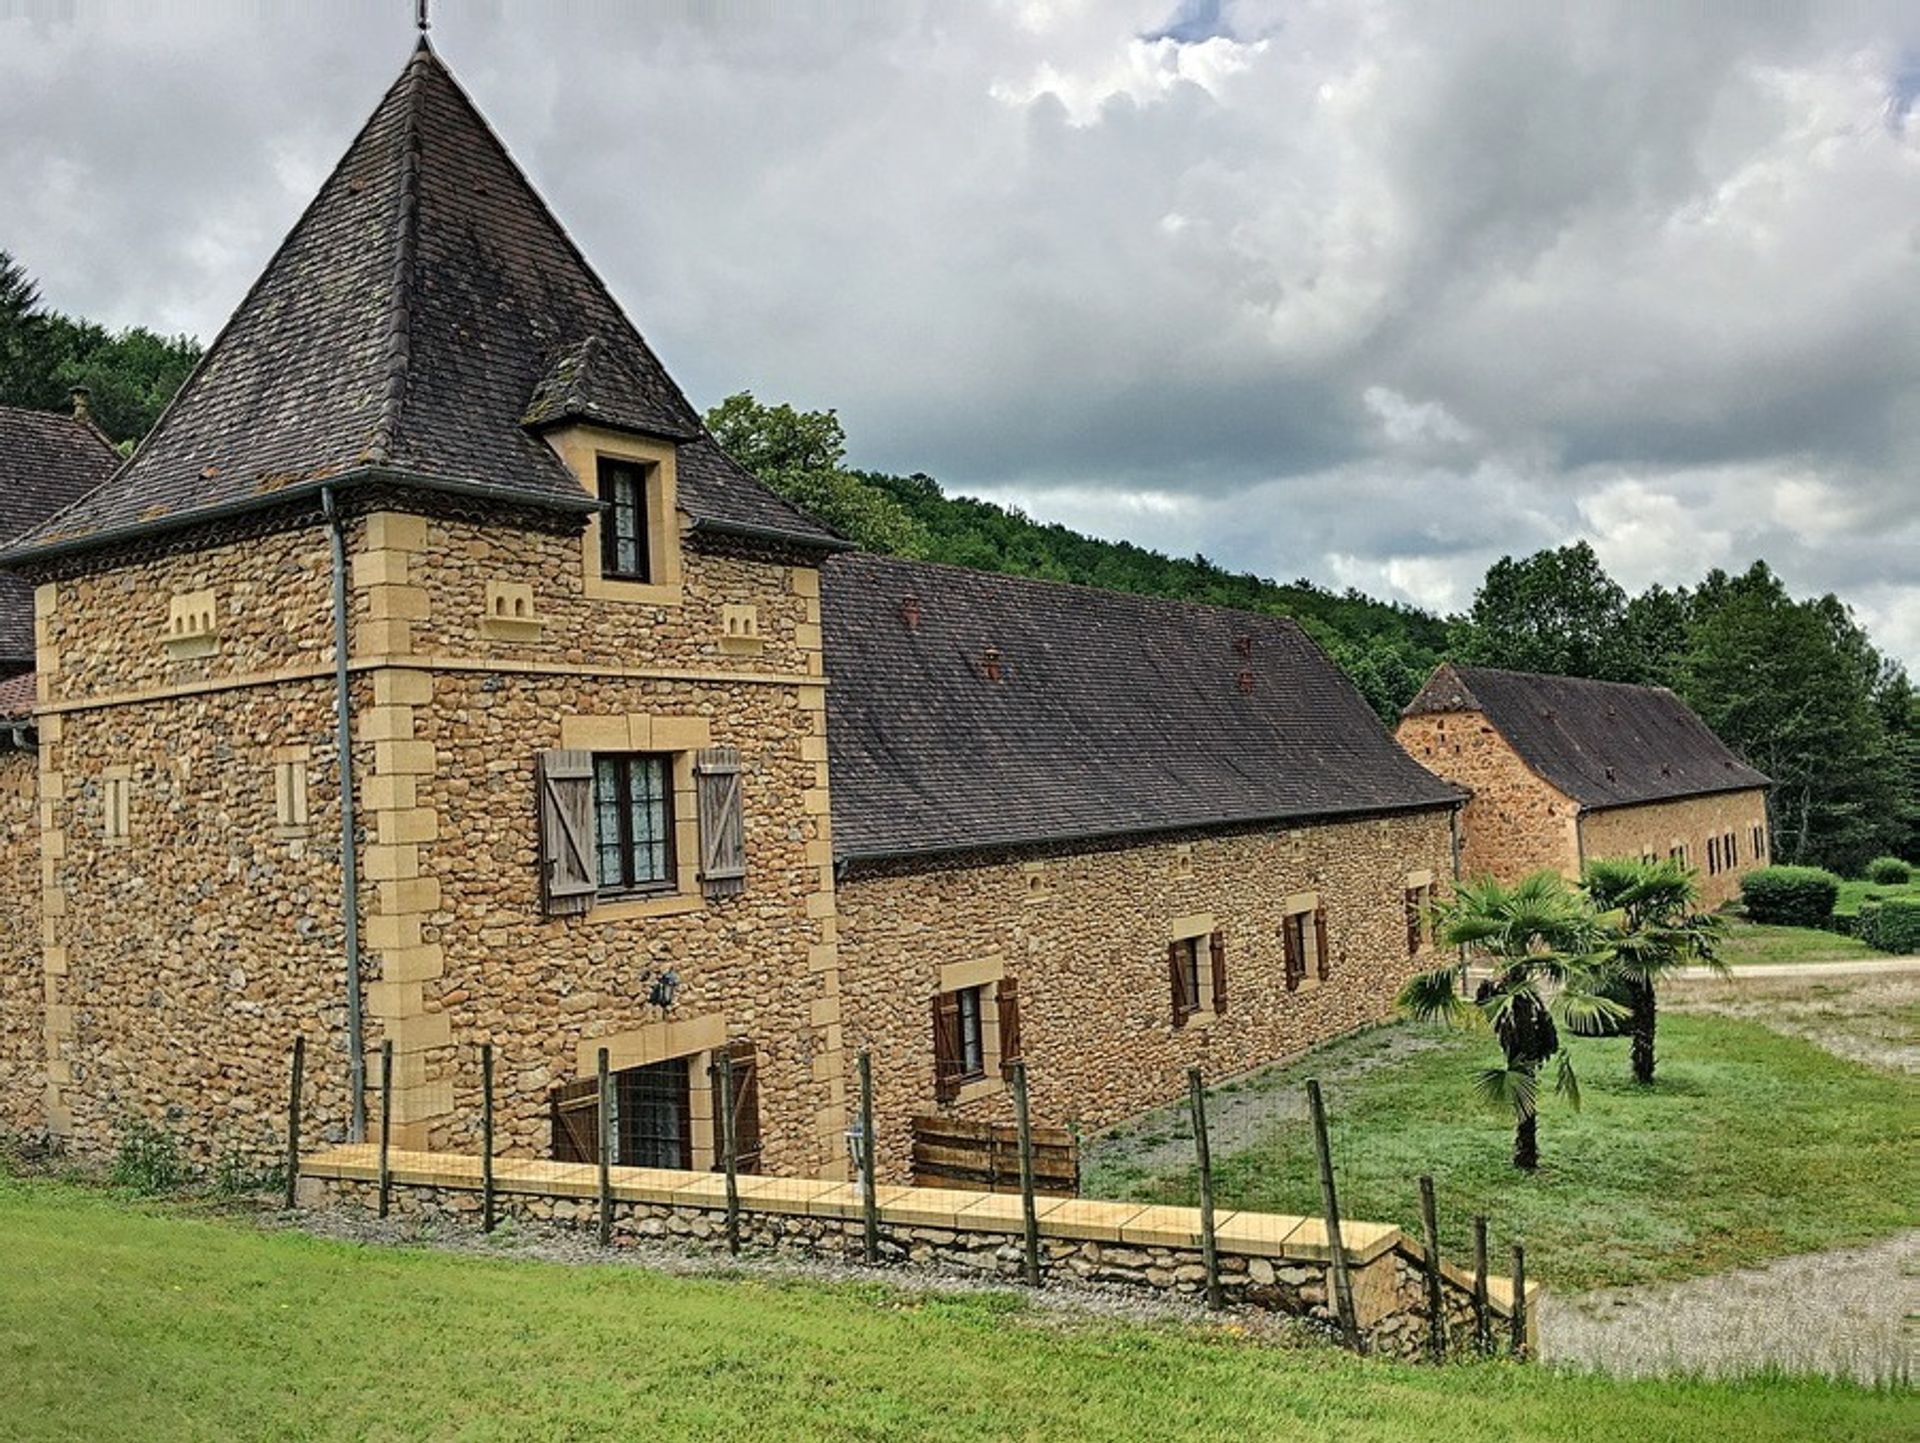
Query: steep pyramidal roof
{"x": 1603, "y": 743}
{"x": 969, "y": 711}
{"x": 47, "y": 462}
{"x": 425, "y": 317}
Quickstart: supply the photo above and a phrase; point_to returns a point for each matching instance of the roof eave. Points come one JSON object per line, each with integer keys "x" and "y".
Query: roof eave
{"x": 16, "y": 556}
{"x": 745, "y": 531}
{"x": 1765, "y": 783}
{"x": 1049, "y": 839}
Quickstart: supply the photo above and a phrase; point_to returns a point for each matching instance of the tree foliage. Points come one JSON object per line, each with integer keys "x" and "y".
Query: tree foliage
{"x": 131, "y": 374}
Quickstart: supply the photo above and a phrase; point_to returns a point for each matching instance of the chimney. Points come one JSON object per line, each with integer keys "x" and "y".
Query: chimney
{"x": 82, "y": 404}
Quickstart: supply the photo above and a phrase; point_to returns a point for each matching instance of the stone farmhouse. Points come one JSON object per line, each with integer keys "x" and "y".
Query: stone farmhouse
{"x": 1561, "y": 770}
{"x": 430, "y": 628}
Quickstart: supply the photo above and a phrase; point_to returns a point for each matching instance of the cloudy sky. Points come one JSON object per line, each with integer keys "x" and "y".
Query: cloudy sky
{"x": 1366, "y": 292}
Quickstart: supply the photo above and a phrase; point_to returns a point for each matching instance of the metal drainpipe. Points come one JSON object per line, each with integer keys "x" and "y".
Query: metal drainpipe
{"x": 349, "y": 851}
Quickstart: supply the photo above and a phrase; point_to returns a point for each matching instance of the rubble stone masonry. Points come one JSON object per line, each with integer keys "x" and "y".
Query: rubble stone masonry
{"x": 1514, "y": 823}
{"x": 1659, "y": 827}
{"x": 22, "y": 1013}
{"x": 1086, "y": 933}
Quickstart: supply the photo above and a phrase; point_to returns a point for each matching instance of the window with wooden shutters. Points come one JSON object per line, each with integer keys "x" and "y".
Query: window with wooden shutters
{"x": 576, "y": 1121}
{"x": 723, "y": 840}
{"x": 1321, "y": 954}
{"x": 569, "y": 875}
{"x": 948, "y": 1070}
{"x": 1006, "y": 998}
{"x": 746, "y": 1110}
{"x": 633, "y": 819}
{"x": 1183, "y": 973}
{"x": 1713, "y": 855}
{"x": 1412, "y": 903}
{"x": 1293, "y": 942}
{"x": 1217, "y": 947}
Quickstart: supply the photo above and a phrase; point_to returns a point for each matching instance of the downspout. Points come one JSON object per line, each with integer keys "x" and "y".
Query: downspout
{"x": 349, "y": 851}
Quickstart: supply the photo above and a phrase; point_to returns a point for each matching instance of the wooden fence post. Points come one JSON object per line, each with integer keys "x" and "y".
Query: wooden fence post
{"x": 1436, "y": 1287}
{"x": 1209, "y": 1250}
{"x": 386, "y": 1122}
{"x": 869, "y": 1190}
{"x": 1029, "y": 1217}
{"x": 1482, "y": 1313}
{"x": 293, "y": 1118}
{"x": 1330, "y": 1206}
{"x": 1519, "y": 1301}
{"x": 604, "y": 1148}
{"x": 486, "y": 1137}
{"x": 729, "y": 1152}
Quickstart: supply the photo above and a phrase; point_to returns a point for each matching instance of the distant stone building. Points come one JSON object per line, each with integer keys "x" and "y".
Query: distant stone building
{"x": 48, "y": 461}
{"x": 1561, "y": 770}
{"x": 635, "y": 758}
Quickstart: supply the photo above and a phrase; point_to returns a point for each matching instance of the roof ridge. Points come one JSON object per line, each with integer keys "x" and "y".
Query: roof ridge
{"x": 1047, "y": 582}
{"x": 400, "y": 291}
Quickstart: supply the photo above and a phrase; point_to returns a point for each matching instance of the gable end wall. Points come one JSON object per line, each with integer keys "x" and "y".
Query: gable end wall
{"x": 1514, "y": 823}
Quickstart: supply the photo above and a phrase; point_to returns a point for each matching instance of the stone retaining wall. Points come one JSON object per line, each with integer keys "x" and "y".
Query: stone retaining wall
{"x": 1277, "y": 1263}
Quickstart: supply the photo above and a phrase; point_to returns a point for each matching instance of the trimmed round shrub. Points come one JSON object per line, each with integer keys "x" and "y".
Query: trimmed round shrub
{"x": 1889, "y": 871}
{"x": 1790, "y": 896}
{"x": 1891, "y": 924}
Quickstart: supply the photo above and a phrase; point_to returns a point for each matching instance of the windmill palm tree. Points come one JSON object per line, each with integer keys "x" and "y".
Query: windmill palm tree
{"x": 1660, "y": 930}
{"x": 1547, "y": 953}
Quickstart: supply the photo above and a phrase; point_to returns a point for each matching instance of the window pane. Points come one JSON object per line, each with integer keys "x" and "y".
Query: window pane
{"x": 606, "y": 806}
{"x": 624, "y": 489}
{"x": 972, "y": 1056}
{"x": 651, "y": 824}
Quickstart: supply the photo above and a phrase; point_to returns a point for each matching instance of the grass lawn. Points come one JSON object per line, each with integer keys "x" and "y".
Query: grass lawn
{"x": 1749, "y": 944}
{"x": 1852, "y": 894}
{"x": 123, "y": 1322}
{"x": 1750, "y": 1145}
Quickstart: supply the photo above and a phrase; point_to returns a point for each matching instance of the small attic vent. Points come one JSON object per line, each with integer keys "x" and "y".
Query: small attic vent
{"x": 1610, "y": 776}
{"x": 1246, "y": 681}
{"x": 910, "y": 612}
{"x": 991, "y": 667}
{"x": 1665, "y": 770}
{"x": 1243, "y": 644}
{"x": 1547, "y": 712}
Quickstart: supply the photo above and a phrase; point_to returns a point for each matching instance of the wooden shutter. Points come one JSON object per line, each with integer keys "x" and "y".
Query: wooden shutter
{"x": 723, "y": 838}
{"x": 569, "y": 866}
{"x": 1320, "y": 941}
{"x": 1007, "y": 996}
{"x": 1217, "y": 944}
{"x": 576, "y": 1121}
{"x": 1296, "y": 964}
{"x": 947, "y": 1066}
{"x": 1183, "y": 1000}
{"x": 746, "y": 1111}
{"x": 1413, "y": 920}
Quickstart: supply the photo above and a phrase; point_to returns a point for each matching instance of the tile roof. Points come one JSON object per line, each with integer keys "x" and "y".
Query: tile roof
{"x": 423, "y": 311}
{"x": 1603, "y": 743}
{"x": 48, "y": 460}
{"x": 17, "y": 696}
{"x": 1113, "y": 714}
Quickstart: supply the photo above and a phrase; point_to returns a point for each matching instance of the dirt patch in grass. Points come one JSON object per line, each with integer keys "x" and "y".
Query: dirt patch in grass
{"x": 1850, "y": 1313}
{"x": 1871, "y": 1020}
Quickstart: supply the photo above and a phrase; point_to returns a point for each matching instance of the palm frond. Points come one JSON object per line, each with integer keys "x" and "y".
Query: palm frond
{"x": 1435, "y": 996}
{"x": 1507, "y": 1089}
{"x": 1564, "y": 1081}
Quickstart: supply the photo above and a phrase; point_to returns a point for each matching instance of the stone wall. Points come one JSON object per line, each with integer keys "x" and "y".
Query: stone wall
{"x": 1085, "y": 935}
{"x": 1515, "y": 823}
{"x": 22, "y": 1045}
{"x": 1659, "y": 827}
{"x": 1274, "y": 1263}
{"x": 180, "y": 959}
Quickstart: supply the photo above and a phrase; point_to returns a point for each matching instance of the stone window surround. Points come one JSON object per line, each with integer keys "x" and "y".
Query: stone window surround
{"x": 1307, "y": 903}
{"x": 582, "y": 448}
{"x": 1198, "y": 928}
{"x": 292, "y": 819}
{"x": 694, "y": 1039}
{"x": 988, "y": 972}
{"x": 116, "y": 805}
{"x": 680, "y": 737}
{"x": 1422, "y": 881}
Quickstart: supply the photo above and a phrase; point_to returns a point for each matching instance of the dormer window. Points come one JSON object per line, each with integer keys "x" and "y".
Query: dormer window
{"x": 623, "y": 529}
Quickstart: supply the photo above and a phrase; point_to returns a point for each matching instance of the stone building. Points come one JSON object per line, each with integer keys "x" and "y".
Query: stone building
{"x": 430, "y": 628}
{"x": 47, "y": 462}
{"x": 1560, "y": 770}
{"x": 1118, "y": 835}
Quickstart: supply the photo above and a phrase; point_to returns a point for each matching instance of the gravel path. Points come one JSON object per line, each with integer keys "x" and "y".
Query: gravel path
{"x": 1853, "y": 1312}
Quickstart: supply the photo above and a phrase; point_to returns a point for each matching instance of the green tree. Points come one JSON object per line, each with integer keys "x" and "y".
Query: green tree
{"x": 1555, "y": 611}
{"x": 1660, "y": 930}
{"x": 801, "y": 455}
{"x": 26, "y": 359}
{"x": 1547, "y": 955}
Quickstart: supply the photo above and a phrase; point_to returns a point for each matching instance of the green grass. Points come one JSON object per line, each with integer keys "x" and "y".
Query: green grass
{"x": 1749, "y": 944}
{"x": 1750, "y": 1145}
{"x": 123, "y": 1322}
{"x": 1852, "y": 894}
